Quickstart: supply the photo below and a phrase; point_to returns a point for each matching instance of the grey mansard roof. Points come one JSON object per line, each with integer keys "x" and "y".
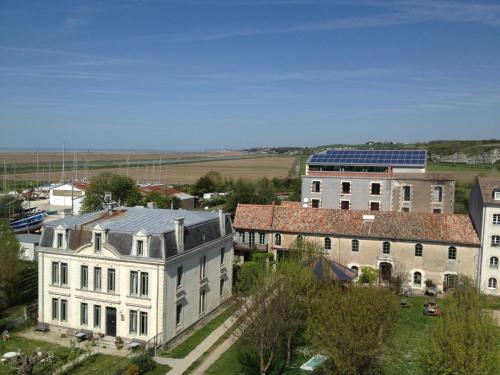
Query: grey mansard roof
{"x": 123, "y": 223}
{"x": 133, "y": 219}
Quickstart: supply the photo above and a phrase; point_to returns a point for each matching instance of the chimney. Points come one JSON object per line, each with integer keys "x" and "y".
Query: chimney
{"x": 222, "y": 223}
{"x": 179, "y": 234}
{"x": 152, "y": 205}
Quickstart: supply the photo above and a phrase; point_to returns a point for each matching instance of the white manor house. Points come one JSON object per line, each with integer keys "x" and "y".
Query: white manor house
{"x": 136, "y": 273}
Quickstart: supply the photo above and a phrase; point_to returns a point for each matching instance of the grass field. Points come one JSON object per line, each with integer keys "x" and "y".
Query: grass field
{"x": 183, "y": 171}
{"x": 464, "y": 173}
{"x": 103, "y": 364}
{"x": 410, "y": 336}
{"x": 184, "y": 348}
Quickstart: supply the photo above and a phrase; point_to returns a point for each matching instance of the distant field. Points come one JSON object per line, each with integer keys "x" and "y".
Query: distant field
{"x": 185, "y": 171}
{"x": 464, "y": 173}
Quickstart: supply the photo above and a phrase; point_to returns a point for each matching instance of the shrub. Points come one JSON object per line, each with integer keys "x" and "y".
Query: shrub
{"x": 369, "y": 275}
{"x": 132, "y": 370}
{"x": 429, "y": 283}
{"x": 144, "y": 362}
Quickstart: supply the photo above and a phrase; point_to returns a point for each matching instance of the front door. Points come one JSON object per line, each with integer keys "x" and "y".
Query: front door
{"x": 110, "y": 321}
{"x": 385, "y": 272}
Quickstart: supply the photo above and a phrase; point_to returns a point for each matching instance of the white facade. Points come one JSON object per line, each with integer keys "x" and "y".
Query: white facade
{"x": 484, "y": 208}
{"x": 141, "y": 303}
{"x": 28, "y": 244}
{"x": 63, "y": 195}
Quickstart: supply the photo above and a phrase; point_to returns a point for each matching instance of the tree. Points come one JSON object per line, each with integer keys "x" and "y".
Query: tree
{"x": 465, "y": 340}
{"x": 123, "y": 189}
{"x": 10, "y": 205}
{"x": 9, "y": 264}
{"x": 162, "y": 200}
{"x": 203, "y": 185}
{"x": 260, "y": 327}
{"x": 352, "y": 327}
{"x": 297, "y": 286}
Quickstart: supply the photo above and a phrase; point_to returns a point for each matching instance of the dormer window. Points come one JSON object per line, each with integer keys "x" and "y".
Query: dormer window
{"x": 97, "y": 242}
{"x": 496, "y": 195}
{"x": 60, "y": 239}
{"x": 140, "y": 244}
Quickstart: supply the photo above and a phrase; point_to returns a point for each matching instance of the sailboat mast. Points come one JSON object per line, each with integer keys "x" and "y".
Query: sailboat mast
{"x": 62, "y": 174}
{"x": 5, "y": 177}
{"x": 37, "y": 176}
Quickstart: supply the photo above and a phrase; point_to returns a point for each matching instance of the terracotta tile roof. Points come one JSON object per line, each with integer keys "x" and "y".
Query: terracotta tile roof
{"x": 159, "y": 188}
{"x": 488, "y": 185}
{"x": 81, "y": 185}
{"x": 413, "y": 226}
{"x": 290, "y": 204}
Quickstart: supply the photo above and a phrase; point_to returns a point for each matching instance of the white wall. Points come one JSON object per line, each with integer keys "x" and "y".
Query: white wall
{"x": 489, "y": 229}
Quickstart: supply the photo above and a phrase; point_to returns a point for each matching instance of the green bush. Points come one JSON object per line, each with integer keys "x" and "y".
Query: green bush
{"x": 144, "y": 362}
{"x": 369, "y": 275}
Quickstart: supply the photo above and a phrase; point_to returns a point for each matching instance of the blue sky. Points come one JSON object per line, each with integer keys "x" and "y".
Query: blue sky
{"x": 199, "y": 75}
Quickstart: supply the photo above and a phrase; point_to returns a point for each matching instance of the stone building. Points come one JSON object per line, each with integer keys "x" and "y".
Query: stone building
{"x": 376, "y": 180}
{"x": 422, "y": 245}
{"x": 139, "y": 273}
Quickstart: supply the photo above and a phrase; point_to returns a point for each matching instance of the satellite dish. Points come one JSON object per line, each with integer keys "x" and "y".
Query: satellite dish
{"x": 306, "y": 200}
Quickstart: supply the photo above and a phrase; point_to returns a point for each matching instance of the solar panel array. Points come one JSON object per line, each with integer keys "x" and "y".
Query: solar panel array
{"x": 414, "y": 158}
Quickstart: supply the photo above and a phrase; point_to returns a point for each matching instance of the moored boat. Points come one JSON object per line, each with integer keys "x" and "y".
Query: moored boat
{"x": 28, "y": 224}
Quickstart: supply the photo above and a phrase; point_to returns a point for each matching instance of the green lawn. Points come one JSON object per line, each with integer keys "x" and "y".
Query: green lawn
{"x": 184, "y": 348}
{"x": 409, "y": 336}
{"x": 29, "y": 346}
{"x": 104, "y": 364}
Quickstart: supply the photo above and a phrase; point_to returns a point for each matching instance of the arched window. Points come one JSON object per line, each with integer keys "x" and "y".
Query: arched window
{"x": 386, "y": 247}
{"x": 419, "y": 250}
{"x": 277, "y": 239}
{"x": 417, "y": 278}
{"x": 493, "y": 262}
{"x": 492, "y": 283}
{"x": 328, "y": 243}
{"x": 452, "y": 253}
{"x": 355, "y": 245}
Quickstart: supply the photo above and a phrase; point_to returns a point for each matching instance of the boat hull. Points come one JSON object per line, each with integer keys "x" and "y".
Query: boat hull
{"x": 28, "y": 225}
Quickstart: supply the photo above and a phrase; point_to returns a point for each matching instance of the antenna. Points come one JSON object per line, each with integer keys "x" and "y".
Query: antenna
{"x": 5, "y": 177}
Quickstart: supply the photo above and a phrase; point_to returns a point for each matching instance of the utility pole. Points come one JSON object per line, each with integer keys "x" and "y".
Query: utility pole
{"x": 37, "y": 176}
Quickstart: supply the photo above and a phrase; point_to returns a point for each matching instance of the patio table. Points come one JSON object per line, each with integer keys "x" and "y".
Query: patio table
{"x": 10, "y": 355}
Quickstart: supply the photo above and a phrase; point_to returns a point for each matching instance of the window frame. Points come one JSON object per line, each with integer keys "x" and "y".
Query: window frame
{"x": 178, "y": 314}
{"x": 84, "y": 276}
{"x": 314, "y": 184}
{"x": 64, "y": 279}
{"x": 251, "y": 239}
{"x": 386, "y": 247}
{"x": 355, "y": 246}
{"x": 97, "y": 315}
{"x": 55, "y": 278}
{"x": 403, "y": 193}
{"x": 98, "y": 242}
{"x": 134, "y": 283}
{"x": 495, "y": 241}
{"x": 144, "y": 281}
{"x": 143, "y": 327}
{"x": 379, "y": 189}
{"x": 348, "y": 202}
{"x": 55, "y": 309}
{"x": 419, "y": 248}
{"x": 327, "y": 243}
{"x": 419, "y": 274}
{"x": 342, "y": 187}
{"x": 439, "y": 188}
{"x": 84, "y": 313}
{"x": 133, "y": 326}
{"x": 496, "y": 219}
{"x": 97, "y": 278}
{"x": 64, "y": 310}
{"x": 452, "y": 253}
{"x": 276, "y": 237}
{"x": 111, "y": 271}
{"x": 262, "y": 238}
{"x": 203, "y": 266}
{"x": 492, "y": 283}
{"x": 493, "y": 263}
{"x": 202, "y": 302}
{"x": 179, "y": 277}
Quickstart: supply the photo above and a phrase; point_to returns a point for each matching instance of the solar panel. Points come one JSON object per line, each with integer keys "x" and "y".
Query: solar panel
{"x": 371, "y": 157}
